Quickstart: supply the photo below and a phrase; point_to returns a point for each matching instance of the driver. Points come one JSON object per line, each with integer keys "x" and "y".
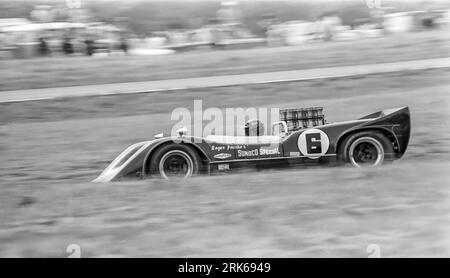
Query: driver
{"x": 254, "y": 128}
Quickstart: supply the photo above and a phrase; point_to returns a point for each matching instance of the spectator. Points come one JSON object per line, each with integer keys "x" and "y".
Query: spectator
{"x": 67, "y": 46}
{"x": 89, "y": 47}
{"x": 43, "y": 47}
{"x": 123, "y": 45}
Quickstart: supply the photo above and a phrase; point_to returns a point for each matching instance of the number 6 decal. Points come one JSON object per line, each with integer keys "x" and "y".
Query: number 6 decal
{"x": 313, "y": 143}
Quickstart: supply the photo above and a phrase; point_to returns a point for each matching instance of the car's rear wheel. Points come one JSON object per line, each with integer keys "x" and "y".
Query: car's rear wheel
{"x": 365, "y": 149}
{"x": 174, "y": 161}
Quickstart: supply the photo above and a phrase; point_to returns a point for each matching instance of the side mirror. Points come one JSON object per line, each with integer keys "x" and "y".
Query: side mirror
{"x": 182, "y": 131}
{"x": 282, "y": 128}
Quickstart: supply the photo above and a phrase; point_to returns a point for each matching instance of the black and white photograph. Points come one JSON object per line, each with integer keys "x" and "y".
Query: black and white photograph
{"x": 251, "y": 129}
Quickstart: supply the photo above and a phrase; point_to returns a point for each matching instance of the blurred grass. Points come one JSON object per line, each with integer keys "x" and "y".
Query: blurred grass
{"x": 334, "y": 212}
{"x": 46, "y": 202}
{"x": 72, "y": 71}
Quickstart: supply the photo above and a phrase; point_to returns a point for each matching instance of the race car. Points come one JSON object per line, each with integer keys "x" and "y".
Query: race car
{"x": 304, "y": 139}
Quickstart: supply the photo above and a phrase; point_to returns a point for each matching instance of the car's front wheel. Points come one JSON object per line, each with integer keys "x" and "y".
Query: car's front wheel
{"x": 365, "y": 149}
{"x": 174, "y": 161}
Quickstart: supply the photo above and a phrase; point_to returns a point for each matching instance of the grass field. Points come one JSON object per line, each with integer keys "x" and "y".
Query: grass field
{"x": 50, "y": 150}
{"x": 72, "y": 71}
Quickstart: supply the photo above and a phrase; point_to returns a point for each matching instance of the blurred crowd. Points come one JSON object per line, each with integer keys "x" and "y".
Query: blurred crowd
{"x": 79, "y": 34}
{"x": 47, "y": 46}
{"x": 20, "y": 38}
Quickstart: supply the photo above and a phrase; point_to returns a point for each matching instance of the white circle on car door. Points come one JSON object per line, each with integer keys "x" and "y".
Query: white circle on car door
{"x": 313, "y": 143}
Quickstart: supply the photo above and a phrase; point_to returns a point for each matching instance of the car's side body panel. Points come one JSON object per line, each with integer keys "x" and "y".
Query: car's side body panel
{"x": 309, "y": 146}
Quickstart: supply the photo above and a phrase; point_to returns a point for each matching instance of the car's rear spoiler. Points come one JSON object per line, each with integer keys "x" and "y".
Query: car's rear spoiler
{"x": 383, "y": 113}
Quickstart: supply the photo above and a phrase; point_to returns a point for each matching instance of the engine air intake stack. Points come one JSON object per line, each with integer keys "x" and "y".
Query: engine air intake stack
{"x": 299, "y": 118}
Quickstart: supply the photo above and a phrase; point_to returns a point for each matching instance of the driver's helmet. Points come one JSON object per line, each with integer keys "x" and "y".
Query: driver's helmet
{"x": 254, "y": 128}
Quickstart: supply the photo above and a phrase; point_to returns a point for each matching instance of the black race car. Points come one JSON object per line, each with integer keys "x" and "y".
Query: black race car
{"x": 302, "y": 141}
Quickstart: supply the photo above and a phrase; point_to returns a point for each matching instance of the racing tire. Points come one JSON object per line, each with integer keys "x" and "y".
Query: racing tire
{"x": 365, "y": 149}
{"x": 174, "y": 161}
